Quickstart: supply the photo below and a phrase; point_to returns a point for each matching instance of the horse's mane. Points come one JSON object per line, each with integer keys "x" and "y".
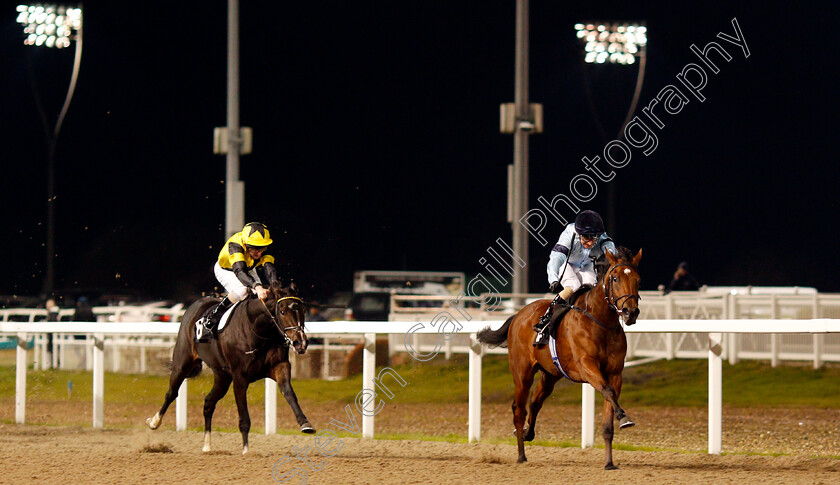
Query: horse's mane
{"x": 622, "y": 253}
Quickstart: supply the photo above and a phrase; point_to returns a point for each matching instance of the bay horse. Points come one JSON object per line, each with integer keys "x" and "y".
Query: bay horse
{"x": 590, "y": 347}
{"x": 254, "y": 344}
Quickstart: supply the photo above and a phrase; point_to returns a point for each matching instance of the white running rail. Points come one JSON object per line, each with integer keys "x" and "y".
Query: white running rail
{"x": 716, "y": 329}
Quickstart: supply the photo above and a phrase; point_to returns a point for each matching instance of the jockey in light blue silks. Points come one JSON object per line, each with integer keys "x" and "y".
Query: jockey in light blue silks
{"x": 570, "y": 264}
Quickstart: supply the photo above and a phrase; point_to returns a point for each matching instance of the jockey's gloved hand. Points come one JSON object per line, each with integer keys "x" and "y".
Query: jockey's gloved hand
{"x": 555, "y": 287}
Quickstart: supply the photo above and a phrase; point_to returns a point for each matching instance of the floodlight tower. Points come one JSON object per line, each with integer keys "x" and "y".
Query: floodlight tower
{"x": 520, "y": 118}
{"x": 53, "y": 27}
{"x": 234, "y": 188}
{"x": 615, "y": 43}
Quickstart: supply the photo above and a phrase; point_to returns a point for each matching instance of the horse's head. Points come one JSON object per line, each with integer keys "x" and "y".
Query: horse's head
{"x": 621, "y": 284}
{"x": 290, "y": 312}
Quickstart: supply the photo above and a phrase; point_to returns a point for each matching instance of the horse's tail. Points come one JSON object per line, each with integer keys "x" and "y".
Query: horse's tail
{"x": 495, "y": 338}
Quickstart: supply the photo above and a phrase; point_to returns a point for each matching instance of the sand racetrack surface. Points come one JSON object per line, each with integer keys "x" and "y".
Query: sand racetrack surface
{"x": 49, "y": 454}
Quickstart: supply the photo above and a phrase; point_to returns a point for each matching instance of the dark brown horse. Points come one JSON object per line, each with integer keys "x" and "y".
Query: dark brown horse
{"x": 254, "y": 345}
{"x": 590, "y": 347}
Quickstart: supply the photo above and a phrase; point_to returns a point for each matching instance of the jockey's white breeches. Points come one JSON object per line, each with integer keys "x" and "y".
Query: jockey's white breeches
{"x": 574, "y": 278}
{"x": 235, "y": 289}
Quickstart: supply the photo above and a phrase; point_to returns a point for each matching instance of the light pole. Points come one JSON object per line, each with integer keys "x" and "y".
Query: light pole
{"x": 234, "y": 188}
{"x": 615, "y": 43}
{"x": 520, "y": 118}
{"x": 233, "y": 140}
{"x": 53, "y": 26}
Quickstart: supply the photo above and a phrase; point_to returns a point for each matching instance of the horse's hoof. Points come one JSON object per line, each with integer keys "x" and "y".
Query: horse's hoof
{"x": 245, "y": 449}
{"x": 307, "y": 428}
{"x": 522, "y": 459}
{"x": 625, "y": 423}
{"x": 154, "y": 422}
{"x": 528, "y": 435}
{"x": 205, "y": 449}
{"x": 610, "y": 466}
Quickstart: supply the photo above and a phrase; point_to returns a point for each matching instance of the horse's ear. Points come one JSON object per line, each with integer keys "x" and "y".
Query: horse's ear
{"x": 637, "y": 258}
{"x": 612, "y": 259}
{"x": 294, "y": 288}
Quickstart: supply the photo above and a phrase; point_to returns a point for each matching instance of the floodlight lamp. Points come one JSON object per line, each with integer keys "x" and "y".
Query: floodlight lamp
{"x": 619, "y": 42}
{"x": 49, "y": 25}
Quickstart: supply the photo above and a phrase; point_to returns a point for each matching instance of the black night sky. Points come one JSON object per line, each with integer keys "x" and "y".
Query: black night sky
{"x": 377, "y": 144}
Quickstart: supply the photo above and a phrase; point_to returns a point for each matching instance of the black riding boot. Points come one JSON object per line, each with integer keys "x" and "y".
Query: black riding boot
{"x": 205, "y": 325}
{"x": 542, "y": 327}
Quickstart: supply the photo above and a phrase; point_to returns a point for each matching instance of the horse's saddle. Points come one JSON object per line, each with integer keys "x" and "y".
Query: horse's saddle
{"x": 561, "y": 310}
{"x": 223, "y": 321}
{"x": 226, "y": 316}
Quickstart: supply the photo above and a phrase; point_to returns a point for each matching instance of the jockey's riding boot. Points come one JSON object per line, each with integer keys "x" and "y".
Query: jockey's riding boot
{"x": 542, "y": 327}
{"x": 205, "y": 325}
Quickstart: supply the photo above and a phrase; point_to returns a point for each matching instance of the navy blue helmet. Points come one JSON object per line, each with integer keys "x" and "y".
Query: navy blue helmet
{"x": 589, "y": 223}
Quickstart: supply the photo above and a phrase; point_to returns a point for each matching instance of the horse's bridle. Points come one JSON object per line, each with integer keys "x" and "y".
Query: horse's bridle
{"x": 281, "y": 328}
{"x": 612, "y": 301}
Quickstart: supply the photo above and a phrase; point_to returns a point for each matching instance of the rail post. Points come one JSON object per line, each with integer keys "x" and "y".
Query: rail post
{"x": 715, "y": 393}
{"x": 98, "y": 379}
{"x": 774, "y": 337}
{"x": 733, "y": 340}
{"x": 476, "y": 351}
{"x": 670, "y": 312}
{"x": 20, "y": 379}
{"x": 270, "y": 406}
{"x": 368, "y": 371}
{"x": 587, "y": 412}
{"x": 817, "y": 337}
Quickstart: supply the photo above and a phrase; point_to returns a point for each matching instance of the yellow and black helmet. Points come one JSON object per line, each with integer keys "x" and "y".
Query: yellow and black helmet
{"x": 255, "y": 234}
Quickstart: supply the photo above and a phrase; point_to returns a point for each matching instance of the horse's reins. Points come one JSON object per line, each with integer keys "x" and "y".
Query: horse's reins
{"x": 612, "y": 302}
{"x": 277, "y": 324}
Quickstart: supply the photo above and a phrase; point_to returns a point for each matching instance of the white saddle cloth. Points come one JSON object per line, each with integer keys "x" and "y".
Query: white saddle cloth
{"x": 226, "y": 316}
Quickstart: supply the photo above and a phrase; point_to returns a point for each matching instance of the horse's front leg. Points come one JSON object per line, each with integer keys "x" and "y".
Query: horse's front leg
{"x": 590, "y": 371}
{"x": 240, "y": 392}
{"x": 624, "y": 421}
{"x": 609, "y": 415}
{"x": 607, "y": 433}
{"x": 283, "y": 376}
